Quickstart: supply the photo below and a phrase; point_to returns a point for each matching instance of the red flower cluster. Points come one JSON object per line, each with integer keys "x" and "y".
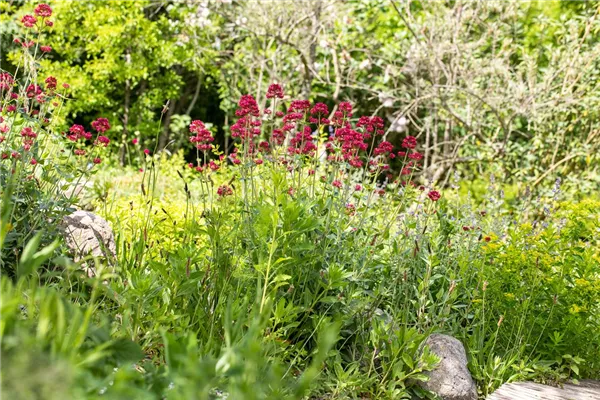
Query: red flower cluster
{"x": 434, "y": 195}
{"x": 29, "y": 21}
{"x": 371, "y": 124}
{"x": 77, "y": 132}
{"x": 102, "y": 141}
{"x": 303, "y": 143}
{"x": 203, "y": 138}
{"x": 101, "y": 124}
{"x": 409, "y": 142}
{"x": 6, "y": 81}
{"x": 275, "y": 91}
{"x": 224, "y": 190}
{"x": 51, "y": 83}
{"x": 43, "y": 10}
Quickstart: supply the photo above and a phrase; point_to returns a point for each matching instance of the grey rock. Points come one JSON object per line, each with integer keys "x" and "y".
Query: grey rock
{"x": 86, "y": 233}
{"x": 450, "y": 379}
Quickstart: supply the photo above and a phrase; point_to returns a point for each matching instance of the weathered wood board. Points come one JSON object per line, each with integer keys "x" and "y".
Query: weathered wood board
{"x": 585, "y": 390}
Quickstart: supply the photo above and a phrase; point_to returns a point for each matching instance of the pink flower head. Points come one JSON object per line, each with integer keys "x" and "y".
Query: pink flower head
{"x": 134, "y": 141}
{"x": 50, "y": 83}
{"x": 357, "y": 188}
{"x": 384, "y": 147}
{"x": 299, "y": 106}
{"x": 97, "y": 160}
{"x": 45, "y": 49}
{"x": 146, "y": 152}
{"x": 320, "y": 109}
{"x": 43, "y": 10}
{"x": 102, "y": 140}
{"x": 66, "y": 85}
{"x": 337, "y": 184}
{"x": 101, "y": 125}
{"x": 415, "y": 156}
{"x": 434, "y": 195}
{"x": 33, "y": 90}
{"x": 345, "y": 107}
{"x": 6, "y": 81}
{"x": 203, "y": 136}
{"x": 371, "y": 124}
{"x": 247, "y": 105}
{"x": 28, "y": 20}
{"x": 275, "y": 91}
{"x": 224, "y": 190}
{"x": 27, "y": 132}
{"x": 49, "y": 23}
{"x": 409, "y": 142}
{"x": 33, "y": 161}
{"x": 76, "y": 132}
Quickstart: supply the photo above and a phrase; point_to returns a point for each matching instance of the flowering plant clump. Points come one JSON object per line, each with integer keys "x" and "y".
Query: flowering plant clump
{"x": 303, "y": 138}
{"x": 37, "y": 161}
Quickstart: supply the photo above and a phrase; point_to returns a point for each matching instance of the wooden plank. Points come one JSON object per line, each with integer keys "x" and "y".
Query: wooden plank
{"x": 585, "y": 390}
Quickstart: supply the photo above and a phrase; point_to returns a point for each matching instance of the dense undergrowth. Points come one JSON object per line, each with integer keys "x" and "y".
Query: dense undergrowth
{"x": 295, "y": 267}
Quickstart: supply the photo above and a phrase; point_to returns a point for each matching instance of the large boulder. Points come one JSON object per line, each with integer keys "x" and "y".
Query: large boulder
{"x": 86, "y": 234}
{"x": 450, "y": 379}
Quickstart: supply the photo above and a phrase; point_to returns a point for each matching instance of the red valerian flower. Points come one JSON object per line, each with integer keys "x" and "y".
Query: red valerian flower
{"x": 299, "y": 106}
{"x": 11, "y": 108}
{"x": 247, "y": 105}
{"x": 6, "y": 81}
{"x": 28, "y": 132}
{"x": 134, "y": 141}
{"x": 357, "y": 188}
{"x": 79, "y": 152}
{"x": 371, "y": 124}
{"x": 146, "y": 152}
{"x": 33, "y": 161}
{"x": 101, "y": 125}
{"x": 224, "y": 190}
{"x": 51, "y": 83}
{"x": 275, "y": 91}
{"x": 33, "y": 90}
{"x": 320, "y": 109}
{"x": 346, "y": 108}
{"x": 76, "y": 132}
{"x": 434, "y": 195}
{"x": 43, "y": 10}
{"x": 66, "y": 85}
{"x": 203, "y": 136}
{"x": 29, "y": 20}
{"x": 213, "y": 165}
{"x": 45, "y": 49}
{"x": 97, "y": 160}
{"x": 49, "y": 23}
{"x": 263, "y": 146}
{"x": 384, "y": 147}
{"x": 350, "y": 209}
{"x": 415, "y": 156}
{"x": 487, "y": 238}
{"x": 302, "y": 143}
{"x": 336, "y": 183}
{"x": 409, "y": 142}
{"x": 103, "y": 140}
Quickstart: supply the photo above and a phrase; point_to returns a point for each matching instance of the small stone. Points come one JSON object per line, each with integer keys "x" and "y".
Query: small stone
{"x": 450, "y": 379}
{"x": 86, "y": 233}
